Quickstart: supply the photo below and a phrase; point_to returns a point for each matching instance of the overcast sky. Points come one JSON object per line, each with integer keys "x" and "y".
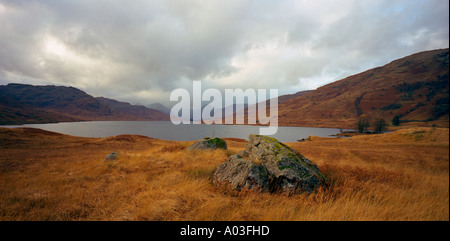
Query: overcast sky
{"x": 139, "y": 51}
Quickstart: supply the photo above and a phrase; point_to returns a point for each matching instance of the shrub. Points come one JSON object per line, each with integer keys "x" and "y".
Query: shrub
{"x": 393, "y": 106}
{"x": 396, "y": 120}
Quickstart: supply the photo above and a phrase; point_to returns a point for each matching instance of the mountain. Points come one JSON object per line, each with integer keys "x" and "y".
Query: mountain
{"x": 133, "y": 112}
{"x": 20, "y": 103}
{"x": 284, "y": 98}
{"x": 159, "y": 107}
{"x": 244, "y": 109}
{"x": 416, "y": 88}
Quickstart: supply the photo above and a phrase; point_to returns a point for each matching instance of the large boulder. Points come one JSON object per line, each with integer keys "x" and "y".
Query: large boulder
{"x": 209, "y": 144}
{"x": 271, "y": 166}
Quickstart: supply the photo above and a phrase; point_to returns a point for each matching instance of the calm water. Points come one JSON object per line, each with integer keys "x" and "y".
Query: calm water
{"x": 167, "y": 131}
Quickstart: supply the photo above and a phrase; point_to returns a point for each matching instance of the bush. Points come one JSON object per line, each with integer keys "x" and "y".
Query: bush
{"x": 441, "y": 107}
{"x": 393, "y": 106}
{"x": 396, "y": 120}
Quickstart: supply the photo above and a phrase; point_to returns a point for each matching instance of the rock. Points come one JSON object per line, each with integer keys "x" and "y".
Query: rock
{"x": 290, "y": 171}
{"x": 243, "y": 153}
{"x": 279, "y": 168}
{"x": 209, "y": 144}
{"x": 112, "y": 156}
{"x": 241, "y": 173}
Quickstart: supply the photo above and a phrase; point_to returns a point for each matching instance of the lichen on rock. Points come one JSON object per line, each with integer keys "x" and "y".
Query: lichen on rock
{"x": 281, "y": 168}
{"x": 241, "y": 173}
{"x": 209, "y": 144}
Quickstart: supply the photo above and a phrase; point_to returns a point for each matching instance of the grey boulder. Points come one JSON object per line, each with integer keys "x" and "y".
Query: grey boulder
{"x": 271, "y": 166}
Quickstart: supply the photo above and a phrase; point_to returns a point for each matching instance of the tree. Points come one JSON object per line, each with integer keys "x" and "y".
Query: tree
{"x": 379, "y": 125}
{"x": 396, "y": 120}
{"x": 363, "y": 123}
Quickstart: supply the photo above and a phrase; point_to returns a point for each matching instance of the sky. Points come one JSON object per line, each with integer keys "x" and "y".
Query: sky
{"x": 140, "y": 51}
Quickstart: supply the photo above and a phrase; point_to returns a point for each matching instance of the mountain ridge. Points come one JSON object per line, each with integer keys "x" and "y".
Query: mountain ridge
{"x": 26, "y": 104}
{"x": 414, "y": 87}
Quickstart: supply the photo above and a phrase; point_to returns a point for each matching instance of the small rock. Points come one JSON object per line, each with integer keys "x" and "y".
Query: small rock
{"x": 112, "y": 156}
{"x": 209, "y": 144}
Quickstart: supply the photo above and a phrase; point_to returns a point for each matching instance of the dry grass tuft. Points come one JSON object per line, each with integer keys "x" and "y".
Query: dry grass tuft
{"x": 46, "y": 176}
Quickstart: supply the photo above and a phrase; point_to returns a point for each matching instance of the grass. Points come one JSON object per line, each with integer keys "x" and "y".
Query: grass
{"x": 402, "y": 175}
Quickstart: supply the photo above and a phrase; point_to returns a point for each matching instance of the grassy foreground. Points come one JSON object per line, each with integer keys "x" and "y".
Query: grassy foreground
{"x": 402, "y": 175}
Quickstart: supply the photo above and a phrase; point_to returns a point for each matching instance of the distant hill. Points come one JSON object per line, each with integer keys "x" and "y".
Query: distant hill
{"x": 244, "y": 109}
{"x": 20, "y": 103}
{"x": 133, "y": 112}
{"x": 159, "y": 107}
{"x": 416, "y": 88}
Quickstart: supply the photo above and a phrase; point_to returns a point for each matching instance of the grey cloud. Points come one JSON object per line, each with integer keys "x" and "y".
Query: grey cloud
{"x": 141, "y": 50}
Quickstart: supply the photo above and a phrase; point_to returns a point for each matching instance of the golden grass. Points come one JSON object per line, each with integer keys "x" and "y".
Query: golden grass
{"x": 45, "y": 176}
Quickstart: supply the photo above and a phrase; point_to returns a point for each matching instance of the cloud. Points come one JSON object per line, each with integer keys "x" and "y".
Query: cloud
{"x": 139, "y": 51}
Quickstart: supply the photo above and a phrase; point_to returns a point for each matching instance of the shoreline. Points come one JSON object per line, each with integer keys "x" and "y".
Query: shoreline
{"x": 409, "y": 124}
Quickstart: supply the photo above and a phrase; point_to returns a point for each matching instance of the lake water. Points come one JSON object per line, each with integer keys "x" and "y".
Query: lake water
{"x": 167, "y": 131}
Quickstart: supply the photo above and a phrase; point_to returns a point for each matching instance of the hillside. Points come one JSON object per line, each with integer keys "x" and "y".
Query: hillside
{"x": 159, "y": 107}
{"x": 244, "y": 109}
{"x": 21, "y": 104}
{"x": 136, "y": 112}
{"x": 416, "y": 88}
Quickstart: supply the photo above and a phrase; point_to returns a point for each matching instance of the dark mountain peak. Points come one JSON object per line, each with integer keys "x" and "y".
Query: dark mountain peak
{"x": 159, "y": 107}
{"x": 23, "y": 103}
